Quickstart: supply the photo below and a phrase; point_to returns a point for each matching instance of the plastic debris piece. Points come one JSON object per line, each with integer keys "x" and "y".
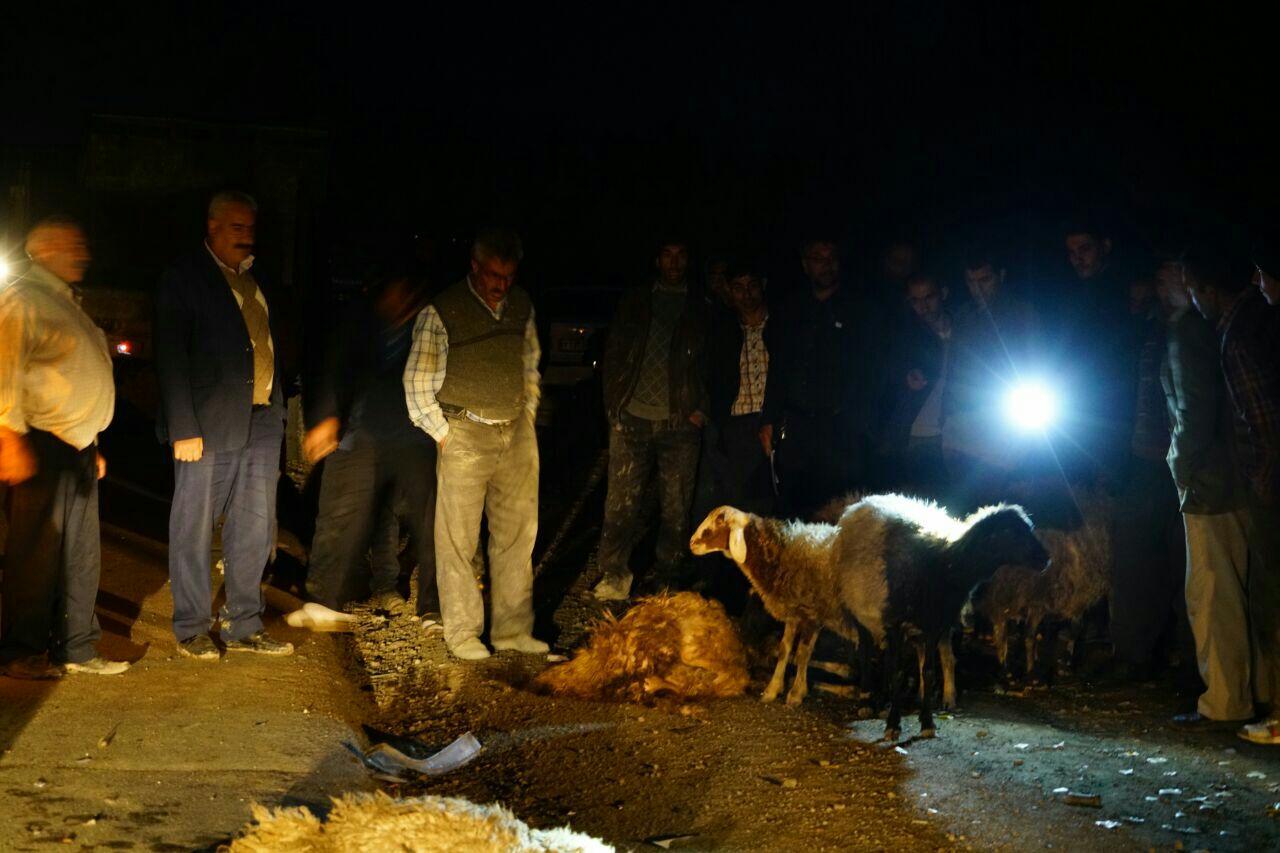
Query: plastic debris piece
{"x": 1059, "y": 745}
{"x": 1170, "y": 792}
{"x": 1171, "y": 772}
{"x": 1256, "y": 774}
{"x": 1157, "y": 759}
{"x": 385, "y": 759}
{"x": 666, "y": 842}
{"x": 900, "y": 750}
{"x": 1128, "y": 771}
{"x": 1108, "y": 824}
{"x": 1061, "y": 790}
{"x": 105, "y": 740}
{"x": 1135, "y": 819}
{"x": 1021, "y": 746}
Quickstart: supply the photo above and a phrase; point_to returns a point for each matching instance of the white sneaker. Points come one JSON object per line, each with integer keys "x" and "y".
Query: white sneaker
{"x": 317, "y": 617}
{"x": 97, "y": 666}
{"x": 470, "y": 649}
{"x": 525, "y": 645}
{"x": 1267, "y": 731}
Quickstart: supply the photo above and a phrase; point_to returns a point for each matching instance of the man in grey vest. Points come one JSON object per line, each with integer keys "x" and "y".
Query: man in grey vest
{"x": 472, "y": 384}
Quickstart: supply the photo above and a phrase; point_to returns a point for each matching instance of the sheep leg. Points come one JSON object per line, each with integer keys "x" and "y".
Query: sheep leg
{"x": 1000, "y": 639}
{"x": 843, "y": 670}
{"x": 800, "y": 686}
{"x": 1029, "y": 640}
{"x": 895, "y": 685}
{"x": 927, "y": 727}
{"x": 784, "y": 654}
{"x": 947, "y": 656}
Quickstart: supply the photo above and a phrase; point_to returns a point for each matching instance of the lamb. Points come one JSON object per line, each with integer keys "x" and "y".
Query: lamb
{"x": 679, "y": 646}
{"x": 906, "y": 570}
{"x": 420, "y": 825}
{"x": 1078, "y": 577}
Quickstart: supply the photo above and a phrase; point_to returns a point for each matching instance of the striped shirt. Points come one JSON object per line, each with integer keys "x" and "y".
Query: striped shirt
{"x": 55, "y": 370}
{"x": 428, "y": 360}
{"x": 753, "y": 371}
{"x": 1253, "y": 380}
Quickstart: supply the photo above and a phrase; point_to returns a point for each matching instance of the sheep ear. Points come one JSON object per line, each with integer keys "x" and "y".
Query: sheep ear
{"x": 738, "y": 545}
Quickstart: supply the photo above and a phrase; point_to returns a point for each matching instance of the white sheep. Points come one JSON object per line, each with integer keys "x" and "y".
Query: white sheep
{"x": 414, "y": 825}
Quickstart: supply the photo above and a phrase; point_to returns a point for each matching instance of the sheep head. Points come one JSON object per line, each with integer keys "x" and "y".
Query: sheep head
{"x": 997, "y": 536}
{"x": 724, "y": 531}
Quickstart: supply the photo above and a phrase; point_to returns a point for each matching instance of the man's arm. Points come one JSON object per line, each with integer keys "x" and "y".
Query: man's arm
{"x": 1194, "y": 371}
{"x": 532, "y": 379}
{"x": 16, "y": 461}
{"x": 424, "y": 374}
{"x": 1257, "y": 397}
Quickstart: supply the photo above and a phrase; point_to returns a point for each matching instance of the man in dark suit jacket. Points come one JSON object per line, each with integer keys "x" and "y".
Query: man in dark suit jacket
{"x": 223, "y": 412}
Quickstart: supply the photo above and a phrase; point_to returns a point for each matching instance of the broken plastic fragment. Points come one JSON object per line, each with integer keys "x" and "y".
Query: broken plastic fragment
{"x": 1107, "y": 824}
{"x": 1157, "y": 759}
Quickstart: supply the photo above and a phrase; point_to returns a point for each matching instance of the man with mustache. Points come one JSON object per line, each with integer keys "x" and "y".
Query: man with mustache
{"x": 56, "y": 395}
{"x": 223, "y": 413}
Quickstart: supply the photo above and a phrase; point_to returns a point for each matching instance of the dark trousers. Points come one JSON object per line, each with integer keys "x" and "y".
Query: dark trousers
{"x": 1149, "y": 565}
{"x": 238, "y": 486}
{"x": 819, "y": 457}
{"x": 635, "y": 447}
{"x": 1263, "y": 534}
{"x": 364, "y": 492}
{"x": 747, "y": 482}
{"x": 924, "y": 473}
{"x": 54, "y": 555}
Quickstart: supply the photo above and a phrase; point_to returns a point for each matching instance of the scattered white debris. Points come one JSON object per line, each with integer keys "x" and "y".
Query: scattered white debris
{"x": 1108, "y": 824}
{"x": 1157, "y": 759}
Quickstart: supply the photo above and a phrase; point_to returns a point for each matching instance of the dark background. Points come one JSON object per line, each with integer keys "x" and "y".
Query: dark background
{"x": 592, "y": 129}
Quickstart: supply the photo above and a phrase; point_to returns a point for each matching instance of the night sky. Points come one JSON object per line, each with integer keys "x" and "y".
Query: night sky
{"x": 593, "y": 129}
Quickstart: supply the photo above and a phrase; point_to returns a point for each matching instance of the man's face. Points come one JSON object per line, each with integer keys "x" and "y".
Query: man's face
{"x": 492, "y": 277}
{"x": 718, "y": 283}
{"x": 1269, "y": 285}
{"x": 821, "y": 263}
{"x": 1170, "y": 289}
{"x": 899, "y": 261}
{"x": 1088, "y": 254}
{"x": 64, "y": 252}
{"x": 748, "y": 294}
{"x": 983, "y": 283}
{"x": 1204, "y": 298}
{"x": 925, "y": 299}
{"x": 231, "y": 234}
{"x": 672, "y": 263}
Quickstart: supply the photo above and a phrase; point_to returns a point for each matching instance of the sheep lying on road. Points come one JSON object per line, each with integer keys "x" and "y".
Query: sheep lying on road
{"x": 417, "y": 825}
{"x": 682, "y": 646}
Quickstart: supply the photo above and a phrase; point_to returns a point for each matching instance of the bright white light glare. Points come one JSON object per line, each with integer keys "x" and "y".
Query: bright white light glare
{"x": 4, "y": 271}
{"x": 1031, "y": 406}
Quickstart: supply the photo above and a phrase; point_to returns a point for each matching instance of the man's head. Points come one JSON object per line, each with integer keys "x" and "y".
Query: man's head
{"x": 1088, "y": 252}
{"x": 1170, "y": 288}
{"x": 747, "y": 283}
{"x": 57, "y": 243}
{"x": 1212, "y": 280}
{"x": 1266, "y": 263}
{"x": 901, "y": 260}
{"x": 820, "y": 259}
{"x": 717, "y": 281}
{"x": 984, "y": 276}
{"x": 672, "y": 261}
{"x": 230, "y": 226}
{"x": 495, "y": 256}
{"x": 926, "y": 298}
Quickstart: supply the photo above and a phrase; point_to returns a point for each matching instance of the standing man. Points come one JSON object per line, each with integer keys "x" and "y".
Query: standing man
{"x": 56, "y": 395}
{"x": 655, "y": 397}
{"x": 472, "y": 384}
{"x": 1212, "y": 502}
{"x": 222, "y": 410}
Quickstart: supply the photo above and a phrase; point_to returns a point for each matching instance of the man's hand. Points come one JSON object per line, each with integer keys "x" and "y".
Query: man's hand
{"x": 17, "y": 462}
{"x": 698, "y": 419}
{"x": 441, "y": 443}
{"x": 102, "y": 466}
{"x": 916, "y": 380}
{"x": 321, "y": 440}
{"x": 188, "y": 449}
{"x": 766, "y": 439}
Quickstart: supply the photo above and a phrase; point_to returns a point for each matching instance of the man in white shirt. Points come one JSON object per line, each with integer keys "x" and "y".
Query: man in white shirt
{"x": 56, "y": 394}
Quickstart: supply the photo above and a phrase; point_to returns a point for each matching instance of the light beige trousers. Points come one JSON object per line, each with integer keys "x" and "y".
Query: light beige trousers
{"x": 1218, "y": 608}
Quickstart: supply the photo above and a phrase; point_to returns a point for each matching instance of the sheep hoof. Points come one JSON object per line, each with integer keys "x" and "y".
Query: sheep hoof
{"x": 928, "y": 733}
{"x": 892, "y": 735}
{"x": 768, "y": 697}
{"x": 795, "y": 698}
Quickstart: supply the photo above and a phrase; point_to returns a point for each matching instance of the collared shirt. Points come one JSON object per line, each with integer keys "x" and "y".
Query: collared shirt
{"x": 238, "y": 272}
{"x": 428, "y": 359}
{"x": 55, "y": 369}
{"x": 753, "y": 370}
{"x": 1253, "y": 381}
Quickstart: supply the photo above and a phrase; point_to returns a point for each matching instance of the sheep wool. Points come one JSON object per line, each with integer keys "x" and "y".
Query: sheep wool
{"x": 679, "y": 646}
{"x": 360, "y": 822}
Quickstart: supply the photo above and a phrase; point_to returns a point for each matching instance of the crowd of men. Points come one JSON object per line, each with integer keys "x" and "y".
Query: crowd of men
{"x": 718, "y": 389}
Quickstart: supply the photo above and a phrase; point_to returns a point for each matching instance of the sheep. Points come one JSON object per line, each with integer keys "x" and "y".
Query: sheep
{"x": 416, "y": 825}
{"x": 680, "y": 646}
{"x": 906, "y": 569}
{"x": 1078, "y": 577}
{"x": 789, "y": 566}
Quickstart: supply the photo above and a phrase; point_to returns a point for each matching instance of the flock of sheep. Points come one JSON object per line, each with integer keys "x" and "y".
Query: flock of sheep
{"x": 885, "y": 572}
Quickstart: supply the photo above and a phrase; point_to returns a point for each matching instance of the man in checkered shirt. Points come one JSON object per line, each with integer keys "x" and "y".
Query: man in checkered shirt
{"x": 472, "y": 384}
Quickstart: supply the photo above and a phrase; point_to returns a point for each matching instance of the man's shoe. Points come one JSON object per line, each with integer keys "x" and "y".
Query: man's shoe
{"x": 1266, "y": 731}
{"x": 470, "y": 649}
{"x": 525, "y": 645}
{"x": 97, "y": 666}
{"x": 1196, "y": 720}
{"x": 432, "y": 622}
{"x": 613, "y": 589}
{"x": 260, "y": 644}
{"x": 199, "y": 647}
{"x": 33, "y": 668}
{"x": 317, "y": 617}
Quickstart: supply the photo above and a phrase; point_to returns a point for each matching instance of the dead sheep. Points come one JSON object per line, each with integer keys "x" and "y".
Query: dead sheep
{"x": 789, "y": 565}
{"x": 1078, "y": 577}
{"x": 679, "y": 646}
{"x": 416, "y": 825}
{"x": 907, "y": 567}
